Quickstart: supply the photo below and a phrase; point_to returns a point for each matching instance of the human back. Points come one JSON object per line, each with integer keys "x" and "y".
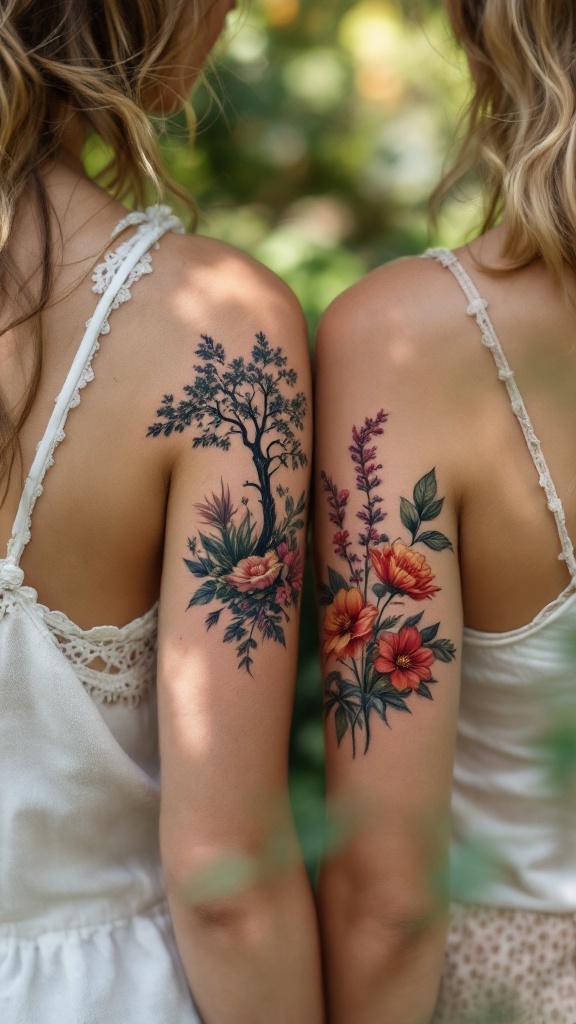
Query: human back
{"x": 525, "y": 269}
{"x": 105, "y": 315}
{"x": 78, "y": 563}
{"x": 471, "y": 356}
{"x": 56, "y": 226}
{"x": 509, "y": 545}
{"x": 103, "y": 566}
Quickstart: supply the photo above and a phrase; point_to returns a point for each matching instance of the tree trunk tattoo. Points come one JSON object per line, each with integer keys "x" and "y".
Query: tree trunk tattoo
{"x": 251, "y": 565}
{"x": 385, "y": 657}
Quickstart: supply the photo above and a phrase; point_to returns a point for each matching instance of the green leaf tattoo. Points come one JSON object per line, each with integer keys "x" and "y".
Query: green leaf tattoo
{"x": 384, "y": 658}
{"x": 425, "y": 508}
{"x": 249, "y": 562}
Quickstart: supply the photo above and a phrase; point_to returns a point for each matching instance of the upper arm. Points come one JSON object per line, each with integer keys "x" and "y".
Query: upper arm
{"x": 387, "y": 569}
{"x": 234, "y": 411}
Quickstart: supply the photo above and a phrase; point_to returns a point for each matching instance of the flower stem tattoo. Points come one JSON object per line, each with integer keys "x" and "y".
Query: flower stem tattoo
{"x": 384, "y": 657}
{"x": 251, "y": 565}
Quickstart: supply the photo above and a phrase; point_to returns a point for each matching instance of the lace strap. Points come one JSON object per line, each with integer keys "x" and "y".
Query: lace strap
{"x": 112, "y": 280}
{"x": 477, "y": 307}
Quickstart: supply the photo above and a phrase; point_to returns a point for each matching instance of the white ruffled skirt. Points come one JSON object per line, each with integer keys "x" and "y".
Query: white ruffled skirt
{"x": 124, "y": 970}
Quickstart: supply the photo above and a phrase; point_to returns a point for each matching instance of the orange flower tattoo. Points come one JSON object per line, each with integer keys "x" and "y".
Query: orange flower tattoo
{"x": 348, "y": 624}
{"x": 385, "y": 653}
{"x": 404, "y": 570}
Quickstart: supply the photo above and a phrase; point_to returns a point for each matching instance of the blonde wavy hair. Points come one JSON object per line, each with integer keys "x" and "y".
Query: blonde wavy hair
{"x": 520, "y": 125}
{"x": 104, "y": 60}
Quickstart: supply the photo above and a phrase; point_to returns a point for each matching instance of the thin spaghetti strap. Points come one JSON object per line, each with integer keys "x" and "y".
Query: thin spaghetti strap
{"x": 477, "y": 307}
{"x": 112, "y": 280}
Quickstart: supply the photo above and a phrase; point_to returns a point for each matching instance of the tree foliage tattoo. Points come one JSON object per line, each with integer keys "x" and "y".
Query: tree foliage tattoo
{"x": 385, "y": 657}
{"x": 251, "y": 565}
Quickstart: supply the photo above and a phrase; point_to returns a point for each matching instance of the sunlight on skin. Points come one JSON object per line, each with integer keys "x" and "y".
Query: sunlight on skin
{"x": 221, "y": 870}
{"x": 400, "y": 352}
{"x": 231, "y": 283}
{"x": 182, "y": 660}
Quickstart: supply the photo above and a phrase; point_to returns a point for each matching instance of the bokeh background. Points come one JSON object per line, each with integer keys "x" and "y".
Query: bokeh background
{"x": 322, "y": 129}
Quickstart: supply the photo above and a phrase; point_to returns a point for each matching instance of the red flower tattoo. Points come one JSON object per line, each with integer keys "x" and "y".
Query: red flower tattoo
{"x": 404, "y": 658}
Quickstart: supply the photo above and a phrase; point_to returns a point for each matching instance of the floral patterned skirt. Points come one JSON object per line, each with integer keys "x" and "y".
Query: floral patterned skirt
{"x": 508, "y": 967}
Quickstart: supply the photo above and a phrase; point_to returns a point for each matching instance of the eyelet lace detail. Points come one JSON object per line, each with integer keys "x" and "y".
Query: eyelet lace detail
{"x": 155, "y": 216}
{"x": 478, "y": 309}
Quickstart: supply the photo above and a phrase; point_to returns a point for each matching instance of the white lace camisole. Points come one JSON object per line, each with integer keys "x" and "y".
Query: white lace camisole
{"x": 511, "y": 819}
{"x": 85, "y": 934}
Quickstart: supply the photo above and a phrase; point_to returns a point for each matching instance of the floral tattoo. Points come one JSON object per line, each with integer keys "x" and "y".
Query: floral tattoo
{"x": 384, "y": 657}
{"x": 250, "y": 564}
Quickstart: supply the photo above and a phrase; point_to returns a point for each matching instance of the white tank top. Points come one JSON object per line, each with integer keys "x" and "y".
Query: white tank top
{"x": 85, "y": 934}
{"x": 514, "y": 828}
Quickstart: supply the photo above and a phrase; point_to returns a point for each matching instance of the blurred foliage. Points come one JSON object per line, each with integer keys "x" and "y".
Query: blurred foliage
{"x": 321, "y": 131}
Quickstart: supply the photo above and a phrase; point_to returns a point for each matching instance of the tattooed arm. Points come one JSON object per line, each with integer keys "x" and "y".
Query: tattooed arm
{"x": 232, "y": 419}
{"x": 390, "y": 620}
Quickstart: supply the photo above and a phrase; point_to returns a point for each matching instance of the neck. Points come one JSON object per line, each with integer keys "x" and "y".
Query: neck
{"x": 69, "y": 152}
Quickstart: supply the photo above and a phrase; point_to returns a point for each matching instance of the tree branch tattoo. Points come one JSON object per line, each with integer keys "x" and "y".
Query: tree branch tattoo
{"x": 251, "y": 565}
{"x": 384, "y": 657}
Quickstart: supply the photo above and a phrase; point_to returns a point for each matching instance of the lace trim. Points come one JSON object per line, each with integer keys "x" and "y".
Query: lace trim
{"x": 102, "y": 277}
{"x": 127, "y": 655}
{"x": 151, "y": 215}
{"x": 105, "y": 272}
{"x": 37, "y": 490}
{"x": 477, "y": 308}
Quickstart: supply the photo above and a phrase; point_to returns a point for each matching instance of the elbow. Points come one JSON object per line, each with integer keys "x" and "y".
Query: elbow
{"x": 226, "y": 898}
{"x": 215, "y": 891}
{"x": 383, "y": 922}
{"x": 234, "y": 922}
{"x": 391, "y": 936}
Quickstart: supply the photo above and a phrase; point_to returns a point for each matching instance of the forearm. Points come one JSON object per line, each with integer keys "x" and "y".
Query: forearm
{"x": 383, "y": 958}
{"x": 253, "y": 958}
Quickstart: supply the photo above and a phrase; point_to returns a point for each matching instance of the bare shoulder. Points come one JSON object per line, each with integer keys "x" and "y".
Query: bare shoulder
{"x": 410, "y": 312}
{"x": 400, "y": 340}
{"x": 200, "y": 277}
{"x": 213, "y": 310}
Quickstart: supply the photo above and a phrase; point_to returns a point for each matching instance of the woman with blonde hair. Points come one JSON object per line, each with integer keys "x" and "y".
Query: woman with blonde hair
{"x": 154, "y": 445}
{"x": 446, "y": 457}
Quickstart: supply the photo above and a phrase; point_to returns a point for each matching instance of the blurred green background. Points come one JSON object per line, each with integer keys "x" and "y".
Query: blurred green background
{"x": 322, "y": 130}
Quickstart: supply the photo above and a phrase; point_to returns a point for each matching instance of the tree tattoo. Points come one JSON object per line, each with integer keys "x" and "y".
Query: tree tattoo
{"x": 385, "y": 657}
{"x": 250, "y": 564}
